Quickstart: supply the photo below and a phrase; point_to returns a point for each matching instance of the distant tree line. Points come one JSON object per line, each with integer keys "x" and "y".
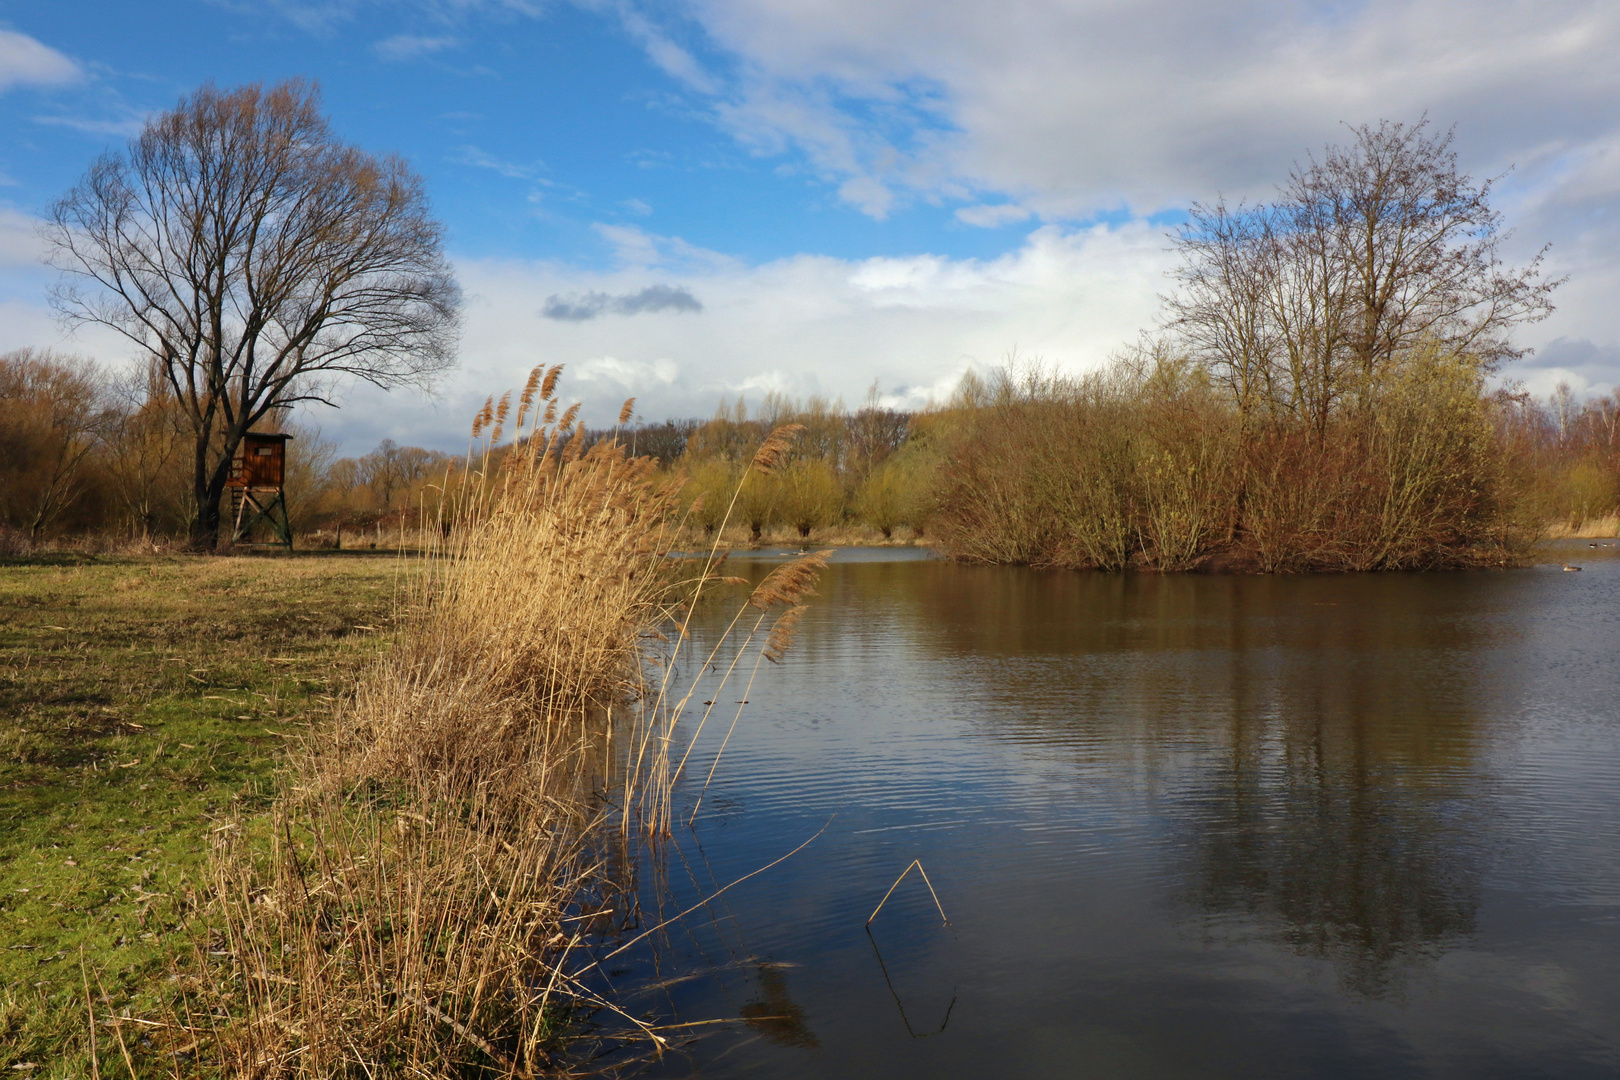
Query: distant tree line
{"x": 1148, "y": 463}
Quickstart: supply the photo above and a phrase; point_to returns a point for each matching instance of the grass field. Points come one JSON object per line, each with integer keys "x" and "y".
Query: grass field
{"x": 140, "y": 700}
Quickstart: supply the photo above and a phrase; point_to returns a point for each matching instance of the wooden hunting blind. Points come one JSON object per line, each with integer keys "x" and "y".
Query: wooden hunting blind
{"x": 258, "y": 489}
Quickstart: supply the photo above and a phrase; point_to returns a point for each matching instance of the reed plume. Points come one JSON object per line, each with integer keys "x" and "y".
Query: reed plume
{"x": 529, "y": 388}
{"x": 771, "y": 453}
{"x": 549, "y": 386}
{"x": 790, "y": 582}
{"x": 782, "y": 632}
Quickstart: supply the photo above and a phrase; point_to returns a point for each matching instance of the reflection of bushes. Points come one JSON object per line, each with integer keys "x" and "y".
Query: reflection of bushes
{"x": 1363, "y": 876}
{"x": 1313, "y": 747}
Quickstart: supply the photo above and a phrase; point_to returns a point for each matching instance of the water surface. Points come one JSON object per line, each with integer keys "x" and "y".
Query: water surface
{"x": 1182, "y": 826}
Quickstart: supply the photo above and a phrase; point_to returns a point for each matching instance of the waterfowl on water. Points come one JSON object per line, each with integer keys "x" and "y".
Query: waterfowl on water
{"x": 1570, "y": 569}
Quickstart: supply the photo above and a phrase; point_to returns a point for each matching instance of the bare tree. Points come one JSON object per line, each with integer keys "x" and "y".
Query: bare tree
{"x": 1378, "y": 246}
{"x": 391, "y": 469}
{"x": 53, "y": 412}
{"x": 145, "y": 451}
{"x": 874, "y": 434}
{"x": 259, "y": 261}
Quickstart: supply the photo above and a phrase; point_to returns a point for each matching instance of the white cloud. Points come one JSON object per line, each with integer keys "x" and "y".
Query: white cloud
{"x": 801, "y": 325}
{"x": 637, "y": 247}
{"x": 633, "y": 376}
{"x": 1067, "y": 109}
{"x": 478, "y": 159}
{"x": 662, "y": 50}
{"x": 324, "y": 16}
{"x": 871, "y": 195}
{"x": 404, "y": 47}
{"x": 805, "y": 324}
{"x": 1079, "y": 106}
{"x": 990, "y": 217}
{"x": 126, "y": 127}
{"x": 20, "y": 244}
{"x": 27, "y": 62}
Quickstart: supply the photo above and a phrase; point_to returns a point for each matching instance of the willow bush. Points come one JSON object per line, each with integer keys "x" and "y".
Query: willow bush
{"x": 1149, "y": 465}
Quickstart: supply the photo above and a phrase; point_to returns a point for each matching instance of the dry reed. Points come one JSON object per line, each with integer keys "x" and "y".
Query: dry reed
{"x": 416, "y": 901}
{"x": 1606, "y": 526}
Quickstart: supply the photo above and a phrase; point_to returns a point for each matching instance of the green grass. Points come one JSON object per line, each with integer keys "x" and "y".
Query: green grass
{"x": 141, "y": 701}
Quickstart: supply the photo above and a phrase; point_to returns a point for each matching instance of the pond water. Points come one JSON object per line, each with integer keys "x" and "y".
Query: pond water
{"x": 1182, "y": 826}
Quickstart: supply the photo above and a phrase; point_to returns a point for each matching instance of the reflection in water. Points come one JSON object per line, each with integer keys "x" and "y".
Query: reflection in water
{"x": 775, "y": 1015}
{"x": 900, "y": 1004}
{"x": 1184, "y": 827}
{"x": 1334, "y": 738}
{"x": 1370, "y": 879}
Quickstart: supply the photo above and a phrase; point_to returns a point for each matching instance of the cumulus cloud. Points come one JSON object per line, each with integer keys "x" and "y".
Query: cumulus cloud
{"x": 27, "y": 62}
{"x": 807, "y": 324}
{"x": 1070, "y": 110}
{"x": 634, "y": 376}
{"x": 1584, "y": 366}
{"x": 581, "y": 307}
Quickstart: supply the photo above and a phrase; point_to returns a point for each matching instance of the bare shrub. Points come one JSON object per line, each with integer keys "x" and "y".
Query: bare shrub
{"x": 810, "y": 495}
{"x": 1149, "y": 465}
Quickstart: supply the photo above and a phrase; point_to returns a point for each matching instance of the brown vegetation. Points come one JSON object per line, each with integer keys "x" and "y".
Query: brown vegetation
{"x": 1149, "y": 465}
{"x": 417, "y": 900}
{"x": 1317, "y": 403}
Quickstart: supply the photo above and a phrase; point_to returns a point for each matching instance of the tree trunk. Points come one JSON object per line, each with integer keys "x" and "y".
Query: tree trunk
{"x": 208, "y": 489}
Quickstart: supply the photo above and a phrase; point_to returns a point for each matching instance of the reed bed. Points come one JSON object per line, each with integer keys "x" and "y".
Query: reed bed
{"x": 1606, "y": 526}
{"x": 420, "y": 898}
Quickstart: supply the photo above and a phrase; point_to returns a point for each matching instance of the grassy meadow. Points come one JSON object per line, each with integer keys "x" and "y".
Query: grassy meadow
{"x": 144, "y": 700}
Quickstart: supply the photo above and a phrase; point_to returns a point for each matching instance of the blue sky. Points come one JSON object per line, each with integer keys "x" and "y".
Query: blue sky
{"x": 849, "y": 191}
{"x": 529, "y": 129}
